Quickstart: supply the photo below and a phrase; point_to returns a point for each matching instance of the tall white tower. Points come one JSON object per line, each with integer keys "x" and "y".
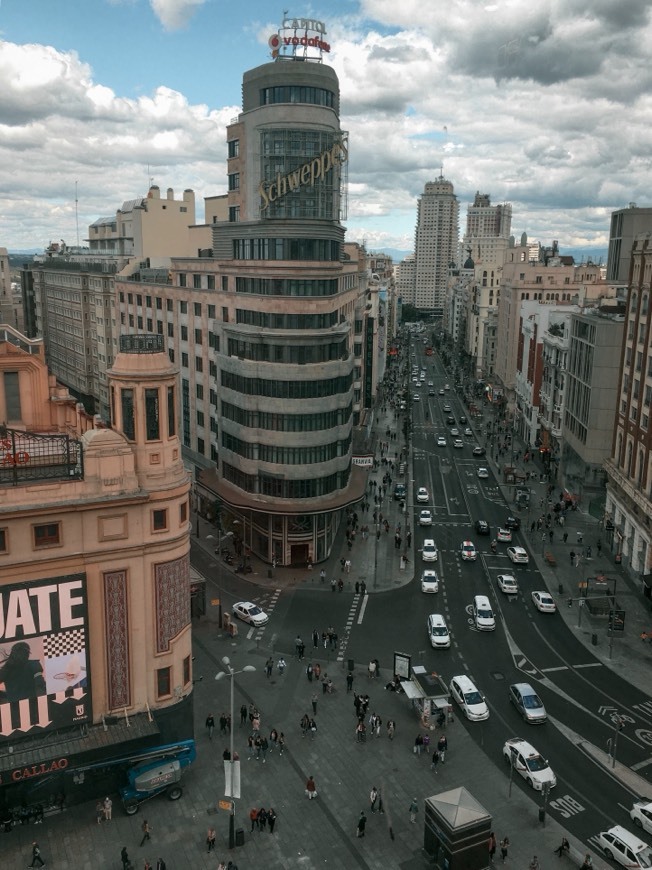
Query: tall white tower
{"x": 436, "y": 239}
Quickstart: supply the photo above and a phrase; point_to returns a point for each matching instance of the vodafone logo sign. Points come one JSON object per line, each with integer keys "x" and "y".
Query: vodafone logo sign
{"x": 298, "y": 33}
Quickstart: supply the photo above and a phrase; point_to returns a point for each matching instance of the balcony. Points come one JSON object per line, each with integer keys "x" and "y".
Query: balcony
{"x": 628, "y": 487}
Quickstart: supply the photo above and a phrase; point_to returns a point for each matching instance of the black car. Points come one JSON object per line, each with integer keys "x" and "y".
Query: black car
{"x": 450, "y": 421}
{"x": 463, "y": 419}
{"x": 399, "y": 491}
{"x": 482, "y": 527}
{"x": 512, "y": 523}
{"x": 479, "y": 451}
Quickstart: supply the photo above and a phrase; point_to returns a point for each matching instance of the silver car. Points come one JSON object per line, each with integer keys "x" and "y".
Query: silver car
{"x": 528, "y": 703}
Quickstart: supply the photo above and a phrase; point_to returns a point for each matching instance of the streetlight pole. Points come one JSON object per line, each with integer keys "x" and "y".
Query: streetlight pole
{"x": 231, "y": 772}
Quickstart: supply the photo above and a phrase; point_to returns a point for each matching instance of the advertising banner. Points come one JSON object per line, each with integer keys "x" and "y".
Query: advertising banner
{"x": 44, "y": 667}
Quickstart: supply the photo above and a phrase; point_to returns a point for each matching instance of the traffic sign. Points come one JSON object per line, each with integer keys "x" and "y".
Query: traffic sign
{"x": 225, "y": 805}
{"x": 617, "y": 621}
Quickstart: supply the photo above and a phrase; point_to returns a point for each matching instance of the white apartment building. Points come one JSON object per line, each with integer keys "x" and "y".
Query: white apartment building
{"x": 435, "y": 245}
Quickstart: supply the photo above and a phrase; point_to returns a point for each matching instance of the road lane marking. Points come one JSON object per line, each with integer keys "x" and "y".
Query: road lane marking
{"x": 363, "y": 608}
{"x": 589, "y": 665}
{"x": 641, "y": 764}
{"x": 551, "y": 670}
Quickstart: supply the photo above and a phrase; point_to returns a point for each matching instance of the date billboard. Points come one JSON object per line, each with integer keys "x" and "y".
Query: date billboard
{"x": 44, "y": 658}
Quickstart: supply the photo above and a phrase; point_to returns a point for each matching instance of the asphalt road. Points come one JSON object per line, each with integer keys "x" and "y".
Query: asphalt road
{"x": 580, "y": 694}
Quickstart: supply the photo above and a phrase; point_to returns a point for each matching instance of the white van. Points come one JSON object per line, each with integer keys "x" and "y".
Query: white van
{"x": 438, "y": 631}
{"x": 625, "y": 848}
{"x": 483, "y": 615}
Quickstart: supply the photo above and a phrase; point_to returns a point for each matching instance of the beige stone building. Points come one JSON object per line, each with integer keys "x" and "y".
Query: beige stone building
{"x": 94, "y": 577}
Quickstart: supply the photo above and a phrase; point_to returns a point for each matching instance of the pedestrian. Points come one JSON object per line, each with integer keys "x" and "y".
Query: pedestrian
{"x": 311, "y": 788}
{"x": 316, "y": 669}
{"x": 210, "y": 838}
{"x": 322, "y": 575}
{"x": 281, "y": 743}
{"x": 572, "y": 557}
{"x": 391, "y": 728}
{"x": 253, "y": 818}
{"x": 160, "y": 864}
{"x": 373, "y": 797}
{"x": 491, "y": 847}
{"x": 333, "y": 584}
{"x": 371, "y": 670}
{"x": 281, "y": 666}
{"x": 418, "y": 744}
{"x": 223, "y": 723}
{"x": 124, "y": 857}
{"x": 357, "y": 587}
{"x": 108, "y": 808}
{"x": 598, "y": 547}
{"x": 504, "y": 846}
{"x": 315, "y": 638}
{"x": 271, "y": 819}
{"x": 243, "y": 715}
{"x": 588, "y": 863}
{"x": 349, "y": 682}
{"x": 269, "y": 667}
{"x": 314, "y": 704}
{"x": 565, "y": 536}
{"x": 534, "y": 863}
{"x": 413, "y": 810}
{"x": 564, "y": 846}
{"x": 147, "y": 832}
{"x": 363, "y": 588}
{"x": 435, "y": 760}
{"x": 442, "y": 746}
{"x": 36, "y": 855}
{"x": 309, "y": 672}
{"x": 377, "y": 726}
{"x": 262, "y": 819}
{"x": 551, "y": 535}
{"x": 99, "y": 812}
{"x": 362, "y": 824}
{"x": 210, "y": 725}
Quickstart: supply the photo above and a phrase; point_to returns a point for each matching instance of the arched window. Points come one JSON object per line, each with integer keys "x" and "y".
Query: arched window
{"x": 619, "y": 450}
{"x": 644, "y": 303}
{"x": 639, "y": 470}
{"x": 628, "y": 465}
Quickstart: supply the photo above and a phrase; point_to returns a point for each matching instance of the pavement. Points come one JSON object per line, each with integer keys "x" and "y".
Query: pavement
{"x": 321, "y": 833}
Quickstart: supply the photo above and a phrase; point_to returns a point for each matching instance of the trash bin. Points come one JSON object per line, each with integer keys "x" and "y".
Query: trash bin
{"x": 542, "y": 814}
{"x": 594, "y": 639}
{"x": 239, "y": 837}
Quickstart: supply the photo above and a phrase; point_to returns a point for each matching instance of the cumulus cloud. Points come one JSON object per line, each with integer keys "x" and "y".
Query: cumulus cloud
{"x": 174, "y": 14}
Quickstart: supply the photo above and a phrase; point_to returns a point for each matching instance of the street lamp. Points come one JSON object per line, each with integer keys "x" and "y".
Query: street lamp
{"x": 232, "y": 767}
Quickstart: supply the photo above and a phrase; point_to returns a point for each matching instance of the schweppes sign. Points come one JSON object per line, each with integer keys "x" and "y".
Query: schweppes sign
{"x": 306, "y": 175}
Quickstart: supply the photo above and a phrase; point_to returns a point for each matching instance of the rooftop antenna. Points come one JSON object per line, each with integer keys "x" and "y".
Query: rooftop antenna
{"x": 77, "y": 212}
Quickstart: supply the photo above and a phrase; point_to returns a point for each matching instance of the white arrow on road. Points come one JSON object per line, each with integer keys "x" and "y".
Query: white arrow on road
{"x": 605, "y": 709}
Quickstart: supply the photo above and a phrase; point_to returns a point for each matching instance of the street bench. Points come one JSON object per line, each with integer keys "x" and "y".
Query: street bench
{"x": 550, "y": 559}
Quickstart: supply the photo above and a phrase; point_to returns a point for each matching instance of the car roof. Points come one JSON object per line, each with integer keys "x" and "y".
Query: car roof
{"x": 437, "y": 619}
{"x": 627, "y": 837}
{"x": 429, "y": 542}
{"x": 465, "y": 683}
{"x": 522, "y": 746}
{"x": 517, "y": 549}
{"x": 523, "y": 688}
{"x": 467, "y": 543}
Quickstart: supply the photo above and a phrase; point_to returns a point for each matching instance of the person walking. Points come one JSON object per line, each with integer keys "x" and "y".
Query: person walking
{"x": 491, "y": 847}
{"x": 314, "y": 704}
{"x": 243, "y": 715}
{"x": 271, "y": 819}
{"x": 281, "y": 666}
{"x": 210, "y": 838}
{"x": 108, "y": 808}
{"x": 269, "y": 667}
{"x": 391, "y": 728}
{"x": 210, "y": 725}
{"x": 504, "y": 846}
{"x": 160, "y": 864}
{"x": 572, "y": 557}
{"x": 36, "y": 856}
{"x": 534, "y": 863}
{"x": 435, "y": 760}
{"x": 442, "y": 746}
{"x": 124, "y": 857}
{"x": 99, "y": 812}
{"x": 147, "y": 832}
{"x": 413, "y": 810}
{"x": 309, "y": 672}
{"x": 311, "y": 788}
{"x": 373, "y": 797}
{"x": 349, "y": 682}
{"x": 564, "y": 846}
{"x": 362, "y": 824}
{"x": 253, "y": 818}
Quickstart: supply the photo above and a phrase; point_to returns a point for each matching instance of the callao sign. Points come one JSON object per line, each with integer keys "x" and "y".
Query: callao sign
{"x": 299, "y": 33}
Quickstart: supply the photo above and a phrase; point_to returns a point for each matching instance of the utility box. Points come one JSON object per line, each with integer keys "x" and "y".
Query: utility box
{"x": 456, "y": 831}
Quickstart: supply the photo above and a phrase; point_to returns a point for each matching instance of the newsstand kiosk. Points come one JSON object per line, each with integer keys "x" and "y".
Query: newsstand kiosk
{"x": 456, "y": 831}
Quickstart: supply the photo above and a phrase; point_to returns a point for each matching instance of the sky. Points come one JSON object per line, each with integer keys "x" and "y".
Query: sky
{"x": 546, "y": 105}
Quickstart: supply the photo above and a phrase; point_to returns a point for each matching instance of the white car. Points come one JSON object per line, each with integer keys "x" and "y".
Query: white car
{"x": 504, "y": 536}
{"x": 447, "y": 386}
{"x": 441, "y": 392}
{"x": 525, "y": 760}
{"x": 468, "y": 551}
{"x": 429, "y": 581}
{"x": 518, "y": 555}
{"x": 431, "y": 383}
{"x": 468, "y": 432}
{"x": 425, "y": 518}
{"x": 422, "y": 494}
{"x": 416, "y": 397}
{"x": 483, "y": 474}
{"x": 641, "y": 815}
{"x": 544, "y": 602}
{"x": 626, "y": 848}
{"x": 447, "y": 408}
{"x": 455, "y": 431}
{"x": 249, "y": 612}
{"x": 470, "y": 700}
{"x": 429, "y": 551}
{"x": 458, "y": 443}
{"x": 507, "y": 583}
{"x": 441, "y": 441}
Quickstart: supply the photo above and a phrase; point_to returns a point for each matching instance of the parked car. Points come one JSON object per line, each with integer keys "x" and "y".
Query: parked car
{"x": 528, "y": 703}
{"x": 399, "y": 491}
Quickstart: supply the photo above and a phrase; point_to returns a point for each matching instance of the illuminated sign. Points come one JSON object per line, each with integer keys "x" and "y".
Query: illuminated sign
{"x": 44, "y": 677}
{"x": 308, "y": 174}
{"x": 299, "y": 33}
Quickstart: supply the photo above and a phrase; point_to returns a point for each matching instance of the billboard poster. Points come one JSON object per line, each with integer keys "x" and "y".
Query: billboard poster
{"x": 44, "y": 667}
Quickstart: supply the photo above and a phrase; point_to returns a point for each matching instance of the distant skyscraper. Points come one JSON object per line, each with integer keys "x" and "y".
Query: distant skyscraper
{"x": 435, "y": 244}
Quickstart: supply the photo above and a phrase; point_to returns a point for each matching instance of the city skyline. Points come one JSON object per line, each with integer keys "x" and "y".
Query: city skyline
{"x": 544, "y": 108}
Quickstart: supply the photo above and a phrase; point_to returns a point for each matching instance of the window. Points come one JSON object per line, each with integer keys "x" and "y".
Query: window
{"x": 172, "y": 426}
{"x": 163, "y": 682}
{"x": 225, "y": 283}
{"x": 210, "y": 284}
{"x": 234, "y": 214}
{"x": 183, "y": 307}
{"x": 200, "y": 418}
{"x": 12, "y": 396}
{"x": 159, "y": 303}
{"x": 184, "y": 333}
{"x": 160, "y": 520}
{"x": 196, "y": 283}
{"x": 211, "y": 310}
{"x": 169, "y": 305}
{"x": 200, "y": 391}
{"x": 199, "y": 364}
{"x": 201, "y": 446}
{"x": 47, "y": 535}
{"x": 233, "y": 146}
{"x": 234, "y": 181}
{"x": 184, "y": 360}
{"x": 182, "y": 280}
{"x": 183, "y": 512}
{"x": 128, "y": 419}
{"x": 197, "y": 308}
{"x": 3, "y": 540}
{"x": 152, "y": 414}
{"x": 225, "y": 314}
{"x": 186, "y": 671}
{"x": 198, "y": 337}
